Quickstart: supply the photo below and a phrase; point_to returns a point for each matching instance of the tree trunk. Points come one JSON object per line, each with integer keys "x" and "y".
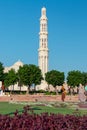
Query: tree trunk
{"x": 48, "y": 88}
{"x": 56, "y": 90}
{"x": 28, "y": 89}
{"x": 34, "y": 88}
{"x": 11, "y": 89}
{"x": 20, "y": 89}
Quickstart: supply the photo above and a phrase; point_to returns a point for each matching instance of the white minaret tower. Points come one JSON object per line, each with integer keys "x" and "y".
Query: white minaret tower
{"x": 43, "y": 43}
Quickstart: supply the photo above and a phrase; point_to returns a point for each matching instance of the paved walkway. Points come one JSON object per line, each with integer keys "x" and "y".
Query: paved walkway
{"x": 34, "y": 98}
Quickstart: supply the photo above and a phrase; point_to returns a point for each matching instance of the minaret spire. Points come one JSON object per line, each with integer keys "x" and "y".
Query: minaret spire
{"x": 43, "y": 11}
{"x": 43, "y": 43}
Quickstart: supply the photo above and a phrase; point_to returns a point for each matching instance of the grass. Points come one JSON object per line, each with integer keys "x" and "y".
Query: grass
{"x": 8, "y": 108}
{"x": 41, "y": 109}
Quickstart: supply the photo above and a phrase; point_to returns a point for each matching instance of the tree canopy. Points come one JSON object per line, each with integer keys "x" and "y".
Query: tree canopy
{"x": 84, "y": 78}
{"x": 54, "y": 78}
{"x": 74, "y": 78}
{"x": 1, "y": 72}
{"x": 30, "y": 74}
{"x": 10, "y": 78}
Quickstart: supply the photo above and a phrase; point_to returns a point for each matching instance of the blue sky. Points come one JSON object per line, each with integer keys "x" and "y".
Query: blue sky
{"x": 67, "y": 28}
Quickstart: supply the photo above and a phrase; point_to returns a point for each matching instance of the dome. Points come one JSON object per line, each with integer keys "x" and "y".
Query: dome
{"x": 43, "y": 9}
{"x": 18, "y": 63}
{"x": 15, "y": 66}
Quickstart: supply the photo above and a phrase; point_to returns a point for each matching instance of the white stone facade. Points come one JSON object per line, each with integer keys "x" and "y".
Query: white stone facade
{"x": 42, "y": 54}
{"x": 15, "y": 66}
{"x": 43, "y": 43}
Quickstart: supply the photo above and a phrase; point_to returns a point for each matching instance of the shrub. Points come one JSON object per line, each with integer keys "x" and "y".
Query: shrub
{"x": 44, "y": 121}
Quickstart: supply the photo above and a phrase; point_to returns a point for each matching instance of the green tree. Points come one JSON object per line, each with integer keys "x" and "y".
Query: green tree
{"x": 11, "y": 78}
{"x": 54, "y": 78}
{"x": 84, "y": 78}
{"x": 20, "y": 84}
{"x": 36, "y": 75}
{"x": 29, "y": 74}
{"x": 74, "y": 78}
{"x": 1, "y": 72}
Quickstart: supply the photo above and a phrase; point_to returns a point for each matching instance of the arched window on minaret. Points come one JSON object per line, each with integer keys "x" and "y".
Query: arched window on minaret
{"x": 42, "y": 42}
{"x": 44, "y": 27}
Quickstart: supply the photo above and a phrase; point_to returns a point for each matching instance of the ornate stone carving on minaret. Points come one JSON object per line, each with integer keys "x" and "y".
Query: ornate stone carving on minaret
{"x": 43, "y": 43}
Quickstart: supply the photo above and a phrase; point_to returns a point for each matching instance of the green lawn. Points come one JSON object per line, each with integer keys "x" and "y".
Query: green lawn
{"x": 6, "y": 108}
{"x": 41, "y": 109}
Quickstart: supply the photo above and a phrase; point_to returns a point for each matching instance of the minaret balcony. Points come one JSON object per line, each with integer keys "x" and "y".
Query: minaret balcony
{"x": 43, "y": 33}
{"x": 43, "y": 18}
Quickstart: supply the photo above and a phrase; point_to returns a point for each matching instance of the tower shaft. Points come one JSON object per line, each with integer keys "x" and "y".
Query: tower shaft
{"x": 43, "y": 43}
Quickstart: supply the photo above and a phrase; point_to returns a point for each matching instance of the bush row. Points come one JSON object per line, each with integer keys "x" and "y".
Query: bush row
{"x": 44, "y": 121}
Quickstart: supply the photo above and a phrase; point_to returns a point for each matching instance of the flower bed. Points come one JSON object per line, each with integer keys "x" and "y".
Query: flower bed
{"x": 44, "y": 121}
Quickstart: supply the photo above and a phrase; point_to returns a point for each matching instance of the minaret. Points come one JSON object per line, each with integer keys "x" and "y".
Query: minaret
{"x": 43, "y": 43}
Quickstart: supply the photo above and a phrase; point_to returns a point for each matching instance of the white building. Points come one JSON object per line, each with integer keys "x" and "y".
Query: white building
{"x": 43, "y": 43}
{"x": 42, "y": 53}
{"x": 43, "y": 48}
{"x": 15, "y": 66}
